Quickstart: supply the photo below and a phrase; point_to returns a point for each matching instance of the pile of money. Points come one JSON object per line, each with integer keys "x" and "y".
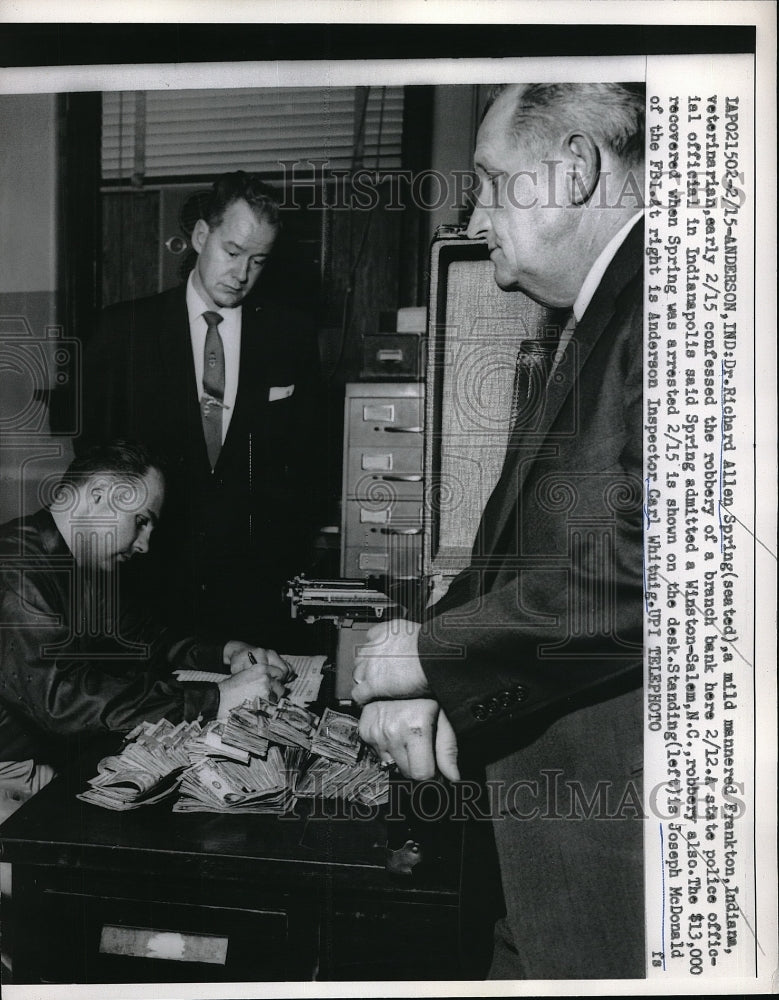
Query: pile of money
{"x": 259, "y": 760}
{"x": 148, "y": 768}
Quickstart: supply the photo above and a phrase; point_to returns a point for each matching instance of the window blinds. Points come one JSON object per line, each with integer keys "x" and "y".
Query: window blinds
{"x": 191, "y": 133}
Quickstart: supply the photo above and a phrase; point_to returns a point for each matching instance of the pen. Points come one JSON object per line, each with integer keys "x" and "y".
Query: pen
{"x": 252, "y": 658}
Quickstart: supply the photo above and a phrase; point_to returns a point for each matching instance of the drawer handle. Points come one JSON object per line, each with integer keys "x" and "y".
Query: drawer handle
{"x": 402, "y": 479}
{"x": 404, "y": 430}
{"x": 401, "y": 531}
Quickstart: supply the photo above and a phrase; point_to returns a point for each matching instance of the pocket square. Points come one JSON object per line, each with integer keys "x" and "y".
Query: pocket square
{"x": 280, "y": 392}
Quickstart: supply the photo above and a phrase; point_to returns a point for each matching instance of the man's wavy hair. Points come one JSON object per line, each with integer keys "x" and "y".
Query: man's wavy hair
{"x": 261, "y": 198}
{"x": 118, "y": 459}
{"x": 612, "y": 113}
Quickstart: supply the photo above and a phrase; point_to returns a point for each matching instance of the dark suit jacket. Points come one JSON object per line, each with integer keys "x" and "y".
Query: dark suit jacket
{"x": 228, "y": 539}
{"x": 63, "y": 678}
{"x": 535, "y": 652}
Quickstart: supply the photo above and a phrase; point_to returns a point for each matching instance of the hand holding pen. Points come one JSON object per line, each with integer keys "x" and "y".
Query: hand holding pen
{"x": 276, "y": 668}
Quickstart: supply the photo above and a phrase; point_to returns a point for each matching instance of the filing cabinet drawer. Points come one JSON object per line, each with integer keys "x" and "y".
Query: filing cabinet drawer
{"x": 401, "y": 558}
{"x": 382, "y": 474}
{"x": 396, "y": 420}
{"x": 371, "y": 522}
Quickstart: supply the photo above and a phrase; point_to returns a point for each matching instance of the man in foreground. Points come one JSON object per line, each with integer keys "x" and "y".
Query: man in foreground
{"x": 532, "y": 662}
{"x": 77, "y": 659}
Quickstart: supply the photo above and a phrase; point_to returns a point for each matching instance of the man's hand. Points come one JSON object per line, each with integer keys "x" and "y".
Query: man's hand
{"x": 387, "y": 664}
{"x": 232, "y": 648}
{"x": 242, "y": 656}
{"x": 415, "y": 734}
{"x": 244, "y": 685}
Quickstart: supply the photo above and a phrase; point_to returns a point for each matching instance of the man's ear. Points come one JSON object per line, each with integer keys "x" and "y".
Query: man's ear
{"x": 200, "y": 234}
{"x": 97, "y": 493}
{"x": 582, "y": 154}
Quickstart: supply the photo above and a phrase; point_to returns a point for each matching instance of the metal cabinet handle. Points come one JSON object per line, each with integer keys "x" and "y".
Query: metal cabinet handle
{"x": 401, "y": 531}
{"x": 402, "y": 479}
{"x": 404, "y": 430}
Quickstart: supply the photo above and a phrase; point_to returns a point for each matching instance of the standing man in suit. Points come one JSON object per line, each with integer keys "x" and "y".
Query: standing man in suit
{"x": 532, "y": 662}
{"x": 224, "y": 385}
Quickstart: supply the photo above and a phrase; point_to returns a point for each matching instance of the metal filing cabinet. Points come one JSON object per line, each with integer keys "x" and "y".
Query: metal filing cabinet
{"x": 381, "y": 529}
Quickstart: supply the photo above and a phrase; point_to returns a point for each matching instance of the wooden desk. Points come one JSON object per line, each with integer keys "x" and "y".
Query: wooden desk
{"x": 296, "y": 898}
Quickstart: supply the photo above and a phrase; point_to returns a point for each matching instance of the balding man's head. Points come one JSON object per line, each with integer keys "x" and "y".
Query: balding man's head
{"x": 612, "y": 113}
{"x": 560, "y": 173}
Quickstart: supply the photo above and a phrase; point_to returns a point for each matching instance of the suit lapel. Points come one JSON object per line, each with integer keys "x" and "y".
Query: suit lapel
{"x": 524, "y": 449}
{"x": 252, "y": 392}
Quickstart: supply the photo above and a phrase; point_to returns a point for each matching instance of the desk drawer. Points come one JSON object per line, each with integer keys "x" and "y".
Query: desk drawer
{"x": 89, "y": 939}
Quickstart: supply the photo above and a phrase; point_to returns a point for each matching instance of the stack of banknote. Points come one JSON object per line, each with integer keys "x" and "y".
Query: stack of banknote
{"x": 148, "y": 768}
{"x": 366, "y": 782}
{"x": 218, "y": 785}
{"x": 337, "y": 737}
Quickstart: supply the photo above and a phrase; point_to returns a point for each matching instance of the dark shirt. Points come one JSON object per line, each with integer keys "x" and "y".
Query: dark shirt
{"x": 76, "y": 659}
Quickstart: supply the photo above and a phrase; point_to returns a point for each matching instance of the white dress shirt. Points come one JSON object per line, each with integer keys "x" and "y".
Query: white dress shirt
{"x": 598, "y": 269}
{"x": 590, "y": 285}
{"x": 230, "y": 332}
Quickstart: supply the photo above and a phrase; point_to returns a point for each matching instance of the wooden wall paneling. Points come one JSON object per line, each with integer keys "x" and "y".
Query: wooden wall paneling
{"x": 130, "y": 245}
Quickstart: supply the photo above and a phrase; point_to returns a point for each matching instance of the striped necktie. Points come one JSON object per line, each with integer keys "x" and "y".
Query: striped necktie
{"x": 535, "y": 361}
{"x": 212, "y": 401}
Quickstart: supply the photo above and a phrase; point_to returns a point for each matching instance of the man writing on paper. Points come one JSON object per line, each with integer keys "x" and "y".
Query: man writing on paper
{"x": 223, "y": 383}
{"x": 77, "y": 659}
{"x": 532, "y": 662}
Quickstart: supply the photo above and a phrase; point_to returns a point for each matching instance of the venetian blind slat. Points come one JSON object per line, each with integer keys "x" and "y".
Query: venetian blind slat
{"x": 205, "y": 132}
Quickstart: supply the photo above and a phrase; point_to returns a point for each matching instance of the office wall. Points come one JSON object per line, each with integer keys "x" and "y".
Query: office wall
{"x": 28, "y": 168}
{"x": 29, "y": 455}
{"x": 454, "y": 130}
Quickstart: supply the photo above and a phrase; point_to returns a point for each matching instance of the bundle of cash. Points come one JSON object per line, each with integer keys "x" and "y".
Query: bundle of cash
{"x": 247, "y": 726}
{"x": 147, "y": 769}
{"x": 261, "y": 786}
{"x": 337, "y": 737}
{"x": 210, "y": 743}
{"x": 292, "y": 726}
{"x": 366, "y": 782}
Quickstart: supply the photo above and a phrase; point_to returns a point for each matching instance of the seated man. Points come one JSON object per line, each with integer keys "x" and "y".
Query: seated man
{"x": 76, "y": 659}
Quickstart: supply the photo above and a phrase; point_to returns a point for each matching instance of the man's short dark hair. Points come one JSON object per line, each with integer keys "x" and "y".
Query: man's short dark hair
{"x": 116, "y": 458}
{"x": 612, "y": 113}
{"x": 261, "y": 198}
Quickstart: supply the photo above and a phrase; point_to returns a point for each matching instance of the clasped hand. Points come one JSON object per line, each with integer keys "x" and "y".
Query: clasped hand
{"x": 399, "y": 719}
{"x": 254, "y": 671}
